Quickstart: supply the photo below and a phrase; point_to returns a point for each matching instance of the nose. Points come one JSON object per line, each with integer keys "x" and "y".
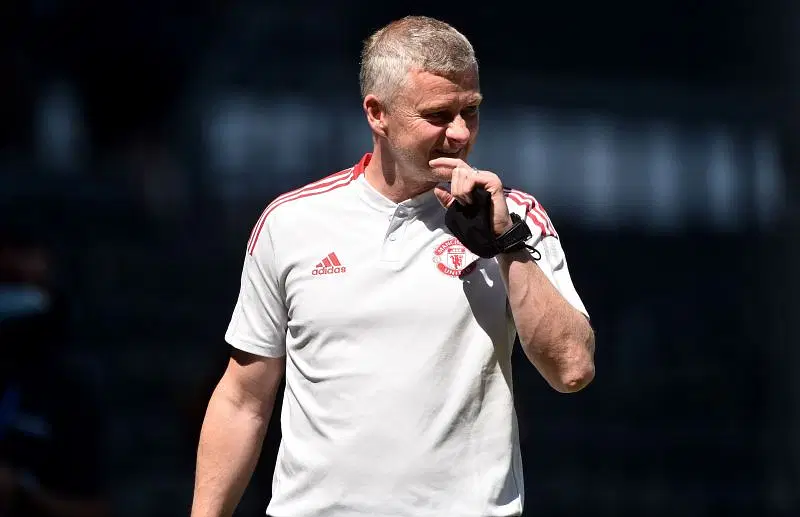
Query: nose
{"x": 458, "y": 131}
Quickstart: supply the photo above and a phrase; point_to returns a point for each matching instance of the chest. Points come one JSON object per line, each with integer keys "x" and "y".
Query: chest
{"x": 381, "y": 277}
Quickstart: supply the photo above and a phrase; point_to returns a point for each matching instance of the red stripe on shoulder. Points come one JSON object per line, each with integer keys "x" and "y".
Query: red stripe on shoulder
{"x": 534, "y": 210}
{"x": 326, "y": 184}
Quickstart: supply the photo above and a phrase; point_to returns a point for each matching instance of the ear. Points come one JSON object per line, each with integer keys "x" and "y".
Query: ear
{"x": 376, "y": 114}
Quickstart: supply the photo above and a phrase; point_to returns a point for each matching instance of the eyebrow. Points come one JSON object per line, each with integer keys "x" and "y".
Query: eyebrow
{"x": 473, "y": 101}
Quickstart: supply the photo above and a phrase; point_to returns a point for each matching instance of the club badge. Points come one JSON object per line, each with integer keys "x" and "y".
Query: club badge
{"x": 453, "y": 258}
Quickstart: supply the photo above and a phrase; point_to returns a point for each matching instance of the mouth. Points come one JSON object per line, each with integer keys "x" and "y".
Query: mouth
{"x": 446, "y": 154}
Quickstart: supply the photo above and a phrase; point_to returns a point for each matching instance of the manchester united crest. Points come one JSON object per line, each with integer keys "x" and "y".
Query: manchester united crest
{"x": 453, "y": 259}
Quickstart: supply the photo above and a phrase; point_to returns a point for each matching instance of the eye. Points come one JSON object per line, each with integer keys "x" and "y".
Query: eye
{"x": 439, "y": 116}
{"x": 470, "y": 111}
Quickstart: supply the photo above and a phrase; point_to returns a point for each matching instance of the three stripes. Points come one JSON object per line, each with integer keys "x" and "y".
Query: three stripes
{"x": 330, "y": 261}
{"x": 534, "y": 210}
{"x": 327, "y": 184}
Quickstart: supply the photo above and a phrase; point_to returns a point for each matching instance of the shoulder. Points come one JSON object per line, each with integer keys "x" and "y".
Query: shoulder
{"x": 531, "y": 210}
{"x": 309, "y": 196}
{"x": 319, "y": 191}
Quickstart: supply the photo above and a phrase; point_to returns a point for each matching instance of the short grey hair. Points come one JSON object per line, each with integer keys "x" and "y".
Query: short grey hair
{"x": 413, "y": 42}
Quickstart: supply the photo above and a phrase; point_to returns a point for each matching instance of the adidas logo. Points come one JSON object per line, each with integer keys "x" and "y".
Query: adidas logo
{"x": 330, "y": 265}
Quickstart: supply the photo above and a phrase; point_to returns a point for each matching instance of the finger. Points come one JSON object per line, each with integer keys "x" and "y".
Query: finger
{"x": 446, "y": 162}
{"x": 445, "y": 198}
{"x": 461, "y": 187}
{"x": 469, "y": 182}
{"x": 489, "y": 181}
{"x": 455, "y": 186}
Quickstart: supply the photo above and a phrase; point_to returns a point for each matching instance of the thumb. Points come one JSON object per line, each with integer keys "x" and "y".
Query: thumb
{"x": 445, "y": 198}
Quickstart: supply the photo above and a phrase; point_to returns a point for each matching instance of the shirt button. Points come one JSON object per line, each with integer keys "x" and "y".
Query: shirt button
{"x": 392, "y": 238}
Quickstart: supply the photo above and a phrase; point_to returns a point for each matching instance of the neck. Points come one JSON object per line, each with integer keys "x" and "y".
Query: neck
{"x": 386, "y": 176}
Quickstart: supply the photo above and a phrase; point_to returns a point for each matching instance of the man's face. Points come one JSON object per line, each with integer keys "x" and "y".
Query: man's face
{"x": 431, "y": 117}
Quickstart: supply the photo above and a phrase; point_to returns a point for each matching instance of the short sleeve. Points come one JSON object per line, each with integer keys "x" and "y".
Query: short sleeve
{"x": 545, "y": 239}
{"x": 259, "y": 320}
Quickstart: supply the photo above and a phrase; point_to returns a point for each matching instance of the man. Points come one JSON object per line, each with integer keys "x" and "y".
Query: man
{"x": 395, "y": 340}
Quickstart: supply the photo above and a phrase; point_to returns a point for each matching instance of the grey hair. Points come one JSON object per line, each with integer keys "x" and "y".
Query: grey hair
{"x": 413, "y": 42}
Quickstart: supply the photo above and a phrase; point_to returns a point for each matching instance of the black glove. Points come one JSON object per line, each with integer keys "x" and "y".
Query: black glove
{"x": 472, "y": 225}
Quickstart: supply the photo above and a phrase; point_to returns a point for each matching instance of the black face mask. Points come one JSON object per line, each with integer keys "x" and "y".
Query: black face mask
{"x": 472, "y": 225}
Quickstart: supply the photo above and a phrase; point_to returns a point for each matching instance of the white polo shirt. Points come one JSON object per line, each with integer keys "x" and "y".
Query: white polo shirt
{"x": 398, "y": 343}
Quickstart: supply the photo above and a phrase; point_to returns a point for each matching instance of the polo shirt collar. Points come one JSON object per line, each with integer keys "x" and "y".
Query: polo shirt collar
{"x": 380, "y": 202}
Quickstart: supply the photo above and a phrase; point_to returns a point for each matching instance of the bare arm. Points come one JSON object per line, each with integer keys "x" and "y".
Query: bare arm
{"x": 233, "y": 432}
{"x": 555, "y": 336}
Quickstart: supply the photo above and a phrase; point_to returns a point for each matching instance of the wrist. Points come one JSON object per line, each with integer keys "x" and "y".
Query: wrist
{"x": 506, "y": 259}
{"x": 515, "y": 237}
{"x": 506, "y": 227}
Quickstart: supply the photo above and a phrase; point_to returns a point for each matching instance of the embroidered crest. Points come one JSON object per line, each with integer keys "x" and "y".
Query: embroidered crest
{"x": 453, "y": 259}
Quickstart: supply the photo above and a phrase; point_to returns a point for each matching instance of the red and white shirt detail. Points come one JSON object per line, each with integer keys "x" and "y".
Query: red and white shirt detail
{"x": 329, "y": 265}
{"x": 398, "y": 348}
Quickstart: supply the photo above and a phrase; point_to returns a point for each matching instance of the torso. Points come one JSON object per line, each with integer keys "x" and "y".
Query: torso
{"x": 399, "y": 397}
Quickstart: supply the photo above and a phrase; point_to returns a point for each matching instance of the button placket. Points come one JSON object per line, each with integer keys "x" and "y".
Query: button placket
{"x": 394, "y": 236}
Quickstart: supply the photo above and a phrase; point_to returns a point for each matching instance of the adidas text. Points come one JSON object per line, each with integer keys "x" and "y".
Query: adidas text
{"x": 329, "y": 270}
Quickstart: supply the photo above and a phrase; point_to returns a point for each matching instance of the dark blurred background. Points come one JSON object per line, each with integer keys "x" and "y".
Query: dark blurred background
{"x": 139, "y": 141}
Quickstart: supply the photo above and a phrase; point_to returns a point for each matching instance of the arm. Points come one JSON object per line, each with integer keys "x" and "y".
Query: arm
{"x": 233, "y": 432}
{"x": 555, "y": 336}
{"x": 241, "y": 405}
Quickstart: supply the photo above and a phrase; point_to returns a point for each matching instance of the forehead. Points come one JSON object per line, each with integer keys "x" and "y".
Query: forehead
{"x": 424, "y": 89}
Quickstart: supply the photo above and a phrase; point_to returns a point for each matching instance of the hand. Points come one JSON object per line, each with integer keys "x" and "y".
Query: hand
{"x": 463, "y": 179}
